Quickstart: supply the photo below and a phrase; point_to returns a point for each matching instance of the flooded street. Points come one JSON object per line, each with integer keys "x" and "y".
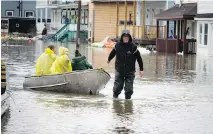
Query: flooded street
{"x": 175, "y": 96}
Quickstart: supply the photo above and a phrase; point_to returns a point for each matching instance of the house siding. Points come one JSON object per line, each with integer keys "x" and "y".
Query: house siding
{"x": 12, "y": 5}
{"x": 49, "y": 11}
{"x": 105, "y": 18}
{"x": 186, "y": 1}
{"x": 157, "y": 6}
{"x": 205, "y": 7}
{"x": 9, "y": 5}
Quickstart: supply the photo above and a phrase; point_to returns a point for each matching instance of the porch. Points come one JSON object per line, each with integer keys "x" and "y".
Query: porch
{"x": 58, "y": 11}
{"x": 147, "y": 32}
{"x": 117, "y": 16}
{"x": 177, "y": 42}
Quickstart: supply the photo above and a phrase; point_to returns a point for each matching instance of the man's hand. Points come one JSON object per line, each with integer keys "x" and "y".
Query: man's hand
{"x": 108, "y": 62}
{"x": 141, "y": 73}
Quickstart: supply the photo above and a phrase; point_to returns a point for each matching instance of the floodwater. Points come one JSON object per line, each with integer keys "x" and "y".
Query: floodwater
{"x": 174, "y": 97}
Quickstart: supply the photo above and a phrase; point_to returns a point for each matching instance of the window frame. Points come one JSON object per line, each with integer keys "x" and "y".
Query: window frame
{"x": 25, "y": 13}
{"x": 202, "y": 34}
{"x": 9, "y": 11}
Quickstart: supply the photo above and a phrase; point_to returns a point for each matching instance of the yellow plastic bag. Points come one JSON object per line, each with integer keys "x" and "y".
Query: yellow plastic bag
{"x": 44, "y": 62}
{"x": 62, "y": 63}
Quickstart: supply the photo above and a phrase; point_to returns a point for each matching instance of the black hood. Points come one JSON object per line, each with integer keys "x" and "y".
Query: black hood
{"x": 126, "y": 32}
{"x": 77, "y": 53}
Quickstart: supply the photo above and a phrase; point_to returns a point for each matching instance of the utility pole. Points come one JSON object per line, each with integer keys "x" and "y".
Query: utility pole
{"x": 125, "y": 14}
{"x": 143, "y": 18}
{"x": 78, "y": 25}
{"x": 19, "y": 8}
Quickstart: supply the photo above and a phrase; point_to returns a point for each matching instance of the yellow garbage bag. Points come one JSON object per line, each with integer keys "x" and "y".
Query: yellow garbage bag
{"x": 62, "y": 63}
{"x": 44, "y": 62}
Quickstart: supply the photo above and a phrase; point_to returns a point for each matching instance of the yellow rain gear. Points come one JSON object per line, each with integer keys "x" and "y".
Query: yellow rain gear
{"x": 44, "y": 62}
{"x": 62, "y": 63}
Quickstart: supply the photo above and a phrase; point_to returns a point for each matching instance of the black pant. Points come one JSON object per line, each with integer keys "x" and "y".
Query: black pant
{"x": 120, "y": 80}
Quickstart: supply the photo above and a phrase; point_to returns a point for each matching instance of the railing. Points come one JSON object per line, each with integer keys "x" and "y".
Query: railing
{"x": 59, "y": 2}
{"x": 149, "y": 31}
{"x": 54, "y": 2}
{"x": 60, "y": 32}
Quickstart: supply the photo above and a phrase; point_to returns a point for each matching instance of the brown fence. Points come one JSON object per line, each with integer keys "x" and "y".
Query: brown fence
{"x": 170, "y": 47}
{"x": 161, "y": 45}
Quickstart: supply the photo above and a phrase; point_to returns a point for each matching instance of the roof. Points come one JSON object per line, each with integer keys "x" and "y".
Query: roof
{"x": 186, "y": 11}
{"x": 206, "y": 15}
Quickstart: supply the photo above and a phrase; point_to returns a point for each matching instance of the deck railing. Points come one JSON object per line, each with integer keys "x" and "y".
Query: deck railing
{"x": 140, "y": 32}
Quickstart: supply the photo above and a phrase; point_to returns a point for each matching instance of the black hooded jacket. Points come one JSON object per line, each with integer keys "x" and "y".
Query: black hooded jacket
{"x": 126, "y": 56}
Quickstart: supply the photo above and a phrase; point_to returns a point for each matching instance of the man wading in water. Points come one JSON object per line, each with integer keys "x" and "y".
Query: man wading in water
{"x": 126, "y": 54}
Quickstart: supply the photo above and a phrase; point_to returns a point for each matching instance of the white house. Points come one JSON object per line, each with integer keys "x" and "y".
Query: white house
{"x": 204, "y": 20}
{"x": 202, "y": 26}
{"x": 151, "y": 8}
{"x": 57, "y": 9}
{"x": 42, "y": 15}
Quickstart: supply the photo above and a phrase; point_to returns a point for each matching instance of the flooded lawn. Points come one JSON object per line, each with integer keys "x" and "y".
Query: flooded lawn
{"x": 175, "y": 96}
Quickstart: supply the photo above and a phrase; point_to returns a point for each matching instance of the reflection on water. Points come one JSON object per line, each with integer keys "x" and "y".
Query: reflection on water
{"x": 176, "y": 91}
{"x": 4, "y": 121}
{"x": 123, "y": 108}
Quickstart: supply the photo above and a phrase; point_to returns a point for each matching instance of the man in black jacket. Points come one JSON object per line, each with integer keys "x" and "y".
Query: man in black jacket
{"x": 126, "y": 55}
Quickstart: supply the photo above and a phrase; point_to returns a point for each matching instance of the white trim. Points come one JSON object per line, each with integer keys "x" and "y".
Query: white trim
{"x": 83, "y": 6}
{"x": 9, "y": 11}
{"x": 25, "y": 13}
{"x": 46, "y": 6}
{"x": 203, "y": 19}
{"x": 211, "y": 39}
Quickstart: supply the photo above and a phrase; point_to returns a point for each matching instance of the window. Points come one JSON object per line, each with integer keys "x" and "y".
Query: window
{"x": 206, "y": 34}
{"x": 153, "y": 20}
{"x": 147, "y": 13}
{"x": 72, "y": 14}
{"x": 200, "y": 33}
{"x": 4, "y": 24}
{"x": 203, "y": 34}
{"x": 82, "y": 16}
{"x": 9, "y": 13}
{"x": 29, "y": 14}
{"x": 49, "y": 20}
{"x": 86, "y": 16}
